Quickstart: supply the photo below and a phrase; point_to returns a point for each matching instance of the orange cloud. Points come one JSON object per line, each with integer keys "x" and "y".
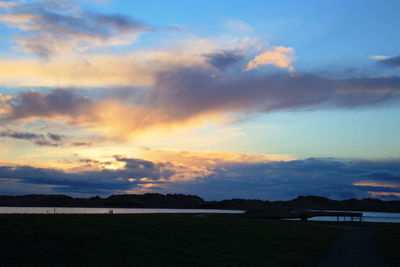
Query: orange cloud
{"x": 17, "y": 18}
{"x": 186, "y": 165}
{"x": 376, "y": 183}
{"x": 4, "y": 4}
{"x": 279, "y": 56}
{"x": 103, "y": 71}
{"x": 201, "y": 164}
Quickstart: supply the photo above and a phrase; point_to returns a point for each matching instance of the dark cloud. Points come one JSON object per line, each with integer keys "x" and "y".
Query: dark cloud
{"x": 392, "y": 62}
{"x": 38, "y": 139}
{"x": 184, "y": 93}
{"x": 55, "y": 25}
{"x": 55, "y": 137}
{"x": 104, "y": 181}
{"x": 119, "y": 23}
{"x": 146, "y": 169}
{"x": 58, "y": 102}
{"x": 84, "y": 24}
{"x": 333, "y": 178}
{"x": 223, "y": 59}
{"x": 48, "y": 139}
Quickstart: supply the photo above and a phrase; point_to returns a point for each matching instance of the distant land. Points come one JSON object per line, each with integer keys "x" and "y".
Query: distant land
{"x": 155, "y": 200}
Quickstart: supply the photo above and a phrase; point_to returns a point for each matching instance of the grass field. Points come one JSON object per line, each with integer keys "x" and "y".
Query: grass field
{"x": 388, "y": 239}
{"x": 159, "y": 240}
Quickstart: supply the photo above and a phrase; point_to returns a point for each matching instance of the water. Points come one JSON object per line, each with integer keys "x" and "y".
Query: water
{"x": 368, "y": 216}
{"x": 62, "y": 210}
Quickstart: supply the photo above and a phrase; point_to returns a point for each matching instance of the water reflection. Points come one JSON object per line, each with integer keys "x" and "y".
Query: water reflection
{"x": 368, "y": 216}
{"x": 63, "y": 210}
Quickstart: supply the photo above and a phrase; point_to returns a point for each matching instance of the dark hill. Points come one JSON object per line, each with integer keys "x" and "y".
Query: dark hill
{"x": 194, "y": 202}
{"x": 155, "y": 201}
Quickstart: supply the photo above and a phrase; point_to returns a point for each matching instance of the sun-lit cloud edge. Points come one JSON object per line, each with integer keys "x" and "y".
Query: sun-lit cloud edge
{"x": 377, "y": 184}
{"x": 279, "y": 56}
{"x": 211, "y": 175}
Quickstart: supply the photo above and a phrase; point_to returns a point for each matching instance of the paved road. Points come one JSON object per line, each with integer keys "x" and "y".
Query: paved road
{"x": 356, "y": 247}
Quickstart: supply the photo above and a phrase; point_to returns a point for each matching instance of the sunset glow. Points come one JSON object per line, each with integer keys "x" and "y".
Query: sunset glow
{"x": 257, "y": 101}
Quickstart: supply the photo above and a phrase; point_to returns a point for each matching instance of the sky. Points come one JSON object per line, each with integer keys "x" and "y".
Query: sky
{"x": 222, "y": 99}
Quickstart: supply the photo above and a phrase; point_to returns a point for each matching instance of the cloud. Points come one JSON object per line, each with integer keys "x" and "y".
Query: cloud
{"x": 38, "y": 139}
{"x": 195, "y": 165}
{"x": 186, "y": 93}
{"x": 56, "y": 103}
{"x": 4, "y": 4}
{"x": 98, "y": 70}
{"x": 223, "y": 59}
{"x": 49, "y": 139}
{"x": 221, "y": 179}
{"x": 279, "y": 56}
{"x": 283, "y": 180}
{"x": 55, "y": 27}
{"x": 391, "y": 62}
{"x": 146, "y": 169}
{"x": 102, "y": 181}
{"x": 190, "y": 95}
{"x": 386, "y": 195}
{"x": 379, "y": 57}
{"x": 377, "y": 184}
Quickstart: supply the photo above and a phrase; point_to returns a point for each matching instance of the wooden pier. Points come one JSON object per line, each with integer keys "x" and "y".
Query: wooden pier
{"x": 338, "y": 214}
{"x": 305, "y": 215}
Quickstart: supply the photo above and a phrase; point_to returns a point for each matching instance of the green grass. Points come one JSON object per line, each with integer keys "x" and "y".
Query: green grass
{"x": 159, "y": 240}
{"x": 388, "y": 239}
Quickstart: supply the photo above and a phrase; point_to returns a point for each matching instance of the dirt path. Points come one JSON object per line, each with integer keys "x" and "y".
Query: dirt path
{"x": 357, "y": 246}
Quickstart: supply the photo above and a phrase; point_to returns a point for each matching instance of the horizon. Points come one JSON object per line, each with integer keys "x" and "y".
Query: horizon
{"x": 94, "y": 197}
{"x": 250, "y": 100}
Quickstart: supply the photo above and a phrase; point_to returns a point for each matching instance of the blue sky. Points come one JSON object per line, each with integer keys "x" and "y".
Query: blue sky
{"x": 323, "y": 32}
{"x": 178, "y": 96}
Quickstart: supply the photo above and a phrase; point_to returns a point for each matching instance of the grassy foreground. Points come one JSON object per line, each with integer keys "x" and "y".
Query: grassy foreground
{"x": 159, "y": 240}
{"x": 388, "y": 239}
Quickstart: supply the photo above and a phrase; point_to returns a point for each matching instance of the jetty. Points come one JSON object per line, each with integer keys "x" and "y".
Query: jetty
{"x": 304, "y": 215}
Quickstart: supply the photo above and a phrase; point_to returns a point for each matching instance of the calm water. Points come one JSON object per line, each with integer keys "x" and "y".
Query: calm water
{"x": 45, "y": 210}
{"x": 368, "y": 216}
